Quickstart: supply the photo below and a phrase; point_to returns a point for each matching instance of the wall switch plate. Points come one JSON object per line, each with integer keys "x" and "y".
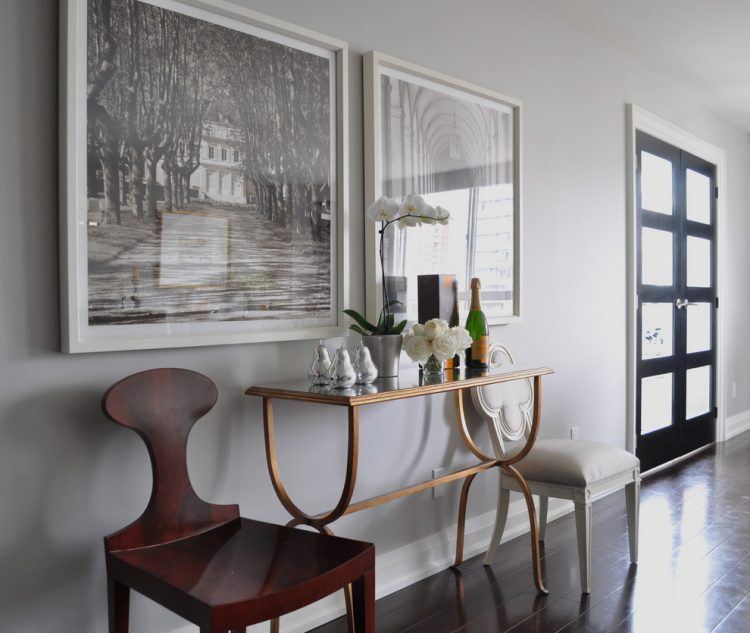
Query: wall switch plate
{"x": 574, "y": 433}
{"x": 734, "y": 390}
{"x": 438, "y": 491}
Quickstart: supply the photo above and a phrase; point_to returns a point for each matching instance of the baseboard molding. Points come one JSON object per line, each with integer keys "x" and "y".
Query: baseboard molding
{"x": 410, "y": 563}
{"x": 736, "y": 424}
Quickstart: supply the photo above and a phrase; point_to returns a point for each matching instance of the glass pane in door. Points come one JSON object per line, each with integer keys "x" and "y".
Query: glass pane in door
{"x": 697, "y": 391}
{"x": 656, "y": 330}
{"x": 656, "y": 257}
{"x": 698, "y": 262}
{"x": 656, "y": 403}
{"x": 698, "y": 200}
{"x": 698, "y": 328}
{"x": 656, "y": 183}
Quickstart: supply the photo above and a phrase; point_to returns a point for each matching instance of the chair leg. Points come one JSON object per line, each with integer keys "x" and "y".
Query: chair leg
{"x": 503, "y": 500}
{"x": 363, "y": 602}
{"x": 274, "y": 625}
{"x": 118, "y": 597}
{"x": 632, "y": 501}
{"x": 583, "y": 531}
{"x": 543, "y": 506}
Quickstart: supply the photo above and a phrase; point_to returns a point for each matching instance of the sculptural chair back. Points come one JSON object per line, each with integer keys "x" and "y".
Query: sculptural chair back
{"x": 162, "y": 406}
{"x": 203, "y": 561}
{"x": 507, "y": 406}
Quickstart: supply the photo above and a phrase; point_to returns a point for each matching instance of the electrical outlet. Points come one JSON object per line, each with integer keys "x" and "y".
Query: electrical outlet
{"x": 438, "y": 491}
{"x": 734, "y": 390}
{"x": 574, "y": 433}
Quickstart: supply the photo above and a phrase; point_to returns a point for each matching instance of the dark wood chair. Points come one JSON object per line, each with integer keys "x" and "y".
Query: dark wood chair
{"x": 203, "y": 561}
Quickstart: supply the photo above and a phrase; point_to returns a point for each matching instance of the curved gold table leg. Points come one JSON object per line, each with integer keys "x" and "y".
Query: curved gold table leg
{"x": 461, "y": 525}
{"x": 478, "y": 452}
{"x": 350, "y": 479}
{"x": 537, "y": 564}
{"x": 300, "y": 517}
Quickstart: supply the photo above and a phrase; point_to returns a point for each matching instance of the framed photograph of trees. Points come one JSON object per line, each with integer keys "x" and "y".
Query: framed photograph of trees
{"x": 459, "y": 146}
{"x": 203, "y": 180}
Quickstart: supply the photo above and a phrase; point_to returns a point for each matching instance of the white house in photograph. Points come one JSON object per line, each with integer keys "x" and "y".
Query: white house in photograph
{"x": 220, "y": 176}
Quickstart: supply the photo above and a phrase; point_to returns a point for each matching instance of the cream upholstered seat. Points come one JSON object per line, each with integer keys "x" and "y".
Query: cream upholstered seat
{"x": 575, "y": 462}
{"x": 579, "y": 470}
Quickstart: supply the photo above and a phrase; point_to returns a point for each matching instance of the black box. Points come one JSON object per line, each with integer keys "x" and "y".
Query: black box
{"x": 437, "y": 297}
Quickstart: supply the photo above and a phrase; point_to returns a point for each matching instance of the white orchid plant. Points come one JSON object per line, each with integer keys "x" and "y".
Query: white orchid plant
{"x": 435, "y": 338}
{"x": 413, "y": 210}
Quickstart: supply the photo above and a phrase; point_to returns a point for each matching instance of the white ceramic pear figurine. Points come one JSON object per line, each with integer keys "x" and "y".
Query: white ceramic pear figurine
{"x": 341, "y": 375}
{"x": 320, "y": 366}
{"x": 365, "y": 369}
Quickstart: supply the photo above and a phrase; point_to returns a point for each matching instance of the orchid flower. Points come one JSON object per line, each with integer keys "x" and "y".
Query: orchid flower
{"x": 412, "y": 211}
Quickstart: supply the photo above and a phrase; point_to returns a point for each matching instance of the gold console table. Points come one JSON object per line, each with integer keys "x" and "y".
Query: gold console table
{"x": 408, "y": 385}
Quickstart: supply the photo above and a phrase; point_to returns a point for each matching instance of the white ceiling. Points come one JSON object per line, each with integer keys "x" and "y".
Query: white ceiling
{"x": 702, "y": 45}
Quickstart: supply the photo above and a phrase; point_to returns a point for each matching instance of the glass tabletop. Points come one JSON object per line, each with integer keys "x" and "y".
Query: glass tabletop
{"x": 409, "y": 384}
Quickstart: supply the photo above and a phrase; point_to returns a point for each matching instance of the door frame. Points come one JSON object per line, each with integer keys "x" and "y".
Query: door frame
{"x": 640, "y": 119}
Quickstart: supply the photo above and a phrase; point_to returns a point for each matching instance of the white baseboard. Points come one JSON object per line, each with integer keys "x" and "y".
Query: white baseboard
{"x": 736, "y": 424}
{"x": 410, "y": 563}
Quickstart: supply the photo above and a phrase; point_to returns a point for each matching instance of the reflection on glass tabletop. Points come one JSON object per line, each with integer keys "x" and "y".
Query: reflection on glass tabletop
{"x": 409, "y": 384}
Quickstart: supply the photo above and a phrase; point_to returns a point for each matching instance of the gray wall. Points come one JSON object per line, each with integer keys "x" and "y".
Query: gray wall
{"x": 67, "y": 477}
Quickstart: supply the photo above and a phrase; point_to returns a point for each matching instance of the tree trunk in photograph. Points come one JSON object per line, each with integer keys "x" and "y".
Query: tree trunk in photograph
{"x": 316, "y": 210}
{"x": 300, "y": 204}
{"x": 136, "y": 183}
{"x": 150, "y": 161}
{"x": 185, "y": 176}
{"x": 111, "y": 171}
{"x": 178, "y": 196}
{"x": 278, "y": 207}
{"x": 168, "y": 190}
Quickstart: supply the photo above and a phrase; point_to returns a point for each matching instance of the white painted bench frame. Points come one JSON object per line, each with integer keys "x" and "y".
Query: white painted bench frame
{"x": 581, "y": 496}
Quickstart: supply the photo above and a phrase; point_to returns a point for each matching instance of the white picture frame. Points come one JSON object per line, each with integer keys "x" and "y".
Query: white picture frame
{"x": 375, "y": 64}
{"x": 77, "y": 334}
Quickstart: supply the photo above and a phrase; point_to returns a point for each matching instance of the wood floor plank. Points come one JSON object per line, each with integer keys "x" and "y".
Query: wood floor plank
{"x": 693, "y": 573}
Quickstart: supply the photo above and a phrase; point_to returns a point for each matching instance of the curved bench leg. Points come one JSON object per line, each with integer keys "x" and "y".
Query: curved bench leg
{"x": 503, "y": 501}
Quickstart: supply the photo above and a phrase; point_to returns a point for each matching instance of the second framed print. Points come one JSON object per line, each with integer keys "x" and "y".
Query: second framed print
{"x": 204, "y": 173}
{"x": 459, "y": 146}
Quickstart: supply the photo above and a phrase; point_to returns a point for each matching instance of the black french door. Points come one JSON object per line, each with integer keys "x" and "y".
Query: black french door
{"x": 676, "y": 318}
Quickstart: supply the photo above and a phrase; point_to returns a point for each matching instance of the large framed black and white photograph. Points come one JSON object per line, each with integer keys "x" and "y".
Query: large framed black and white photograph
{"x": 459, "y": 146}
{"x": 203, "y": 176}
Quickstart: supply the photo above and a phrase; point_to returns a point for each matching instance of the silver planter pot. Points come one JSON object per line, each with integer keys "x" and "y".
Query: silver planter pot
{"x": 385, "y": 350}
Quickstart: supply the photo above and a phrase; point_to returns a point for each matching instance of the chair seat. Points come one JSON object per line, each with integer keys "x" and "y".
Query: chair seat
{"x": 241, "y": 565}
{"x": 574, "y": 462}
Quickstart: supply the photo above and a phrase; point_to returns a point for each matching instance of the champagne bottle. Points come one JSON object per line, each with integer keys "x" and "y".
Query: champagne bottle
{"x": 455, "y": 362}
{"x": 478, "y": 355}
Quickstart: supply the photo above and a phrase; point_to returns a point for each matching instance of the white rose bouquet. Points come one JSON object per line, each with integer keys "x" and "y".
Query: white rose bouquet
{"x": 435, "y": 338}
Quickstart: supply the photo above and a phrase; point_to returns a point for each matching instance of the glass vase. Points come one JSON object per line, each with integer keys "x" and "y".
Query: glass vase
{"x": 433, "y": 367}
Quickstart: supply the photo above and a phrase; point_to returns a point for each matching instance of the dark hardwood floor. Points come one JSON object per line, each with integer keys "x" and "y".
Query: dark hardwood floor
{"x": 693, "y": 573}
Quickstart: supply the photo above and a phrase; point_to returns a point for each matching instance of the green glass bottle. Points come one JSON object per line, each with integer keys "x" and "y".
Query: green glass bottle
{"x": 478, "y": 355}
{"x": 455, "y": 362}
